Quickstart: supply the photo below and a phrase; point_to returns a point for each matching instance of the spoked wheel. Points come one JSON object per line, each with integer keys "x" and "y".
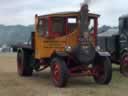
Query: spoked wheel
{"x": 124, "y": 64}
{"x": 59, "y": 72}
{"x": 23, "y": 63}
{"x": 103, "y": 70}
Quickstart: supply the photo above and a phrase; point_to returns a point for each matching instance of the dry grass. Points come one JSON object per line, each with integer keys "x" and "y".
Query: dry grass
{"x": 40, "y": 85}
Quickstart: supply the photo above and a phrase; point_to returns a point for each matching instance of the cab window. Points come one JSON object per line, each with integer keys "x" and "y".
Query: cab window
{"x": 58, "y": 25}
{"x": 91, "y": 25}
{"x": 72, "y": 24}
{"x": 125, "y": 24}
{"x": 43, "y": 27}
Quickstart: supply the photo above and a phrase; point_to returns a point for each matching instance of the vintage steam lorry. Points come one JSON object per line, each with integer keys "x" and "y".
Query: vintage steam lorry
{"x": 117, "y": 45}
{"x": 65, "y": 43}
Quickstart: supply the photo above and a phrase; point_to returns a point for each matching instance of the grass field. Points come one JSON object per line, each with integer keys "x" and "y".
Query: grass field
{"x": 40, "y": 84}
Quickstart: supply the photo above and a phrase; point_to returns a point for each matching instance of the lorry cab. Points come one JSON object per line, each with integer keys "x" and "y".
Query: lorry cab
{"x": 123, "y": 31}
{"x": 55, "y": 31}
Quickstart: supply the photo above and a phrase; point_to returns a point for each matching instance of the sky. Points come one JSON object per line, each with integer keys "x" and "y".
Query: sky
{"x": 22, "y": 12}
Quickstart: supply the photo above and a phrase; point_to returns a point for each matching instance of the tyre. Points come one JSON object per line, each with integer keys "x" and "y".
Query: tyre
{"x": 124, "y": 64}
{"x": 103, "y": 70}
{"x": 59, "y": 72}
{"x": 23, "y": 63}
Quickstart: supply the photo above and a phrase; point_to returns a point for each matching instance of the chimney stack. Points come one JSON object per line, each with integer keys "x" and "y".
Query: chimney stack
{"x": 84, "y": 19}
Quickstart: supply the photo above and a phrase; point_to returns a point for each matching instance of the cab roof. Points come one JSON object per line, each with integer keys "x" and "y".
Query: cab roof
{"x": 123, "y": 16}
{"x": 67, "y": 14}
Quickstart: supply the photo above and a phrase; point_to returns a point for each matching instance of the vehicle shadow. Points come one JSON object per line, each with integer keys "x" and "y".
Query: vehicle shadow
{"x": 44, "y": 79}
{"x": 82, "y": 82}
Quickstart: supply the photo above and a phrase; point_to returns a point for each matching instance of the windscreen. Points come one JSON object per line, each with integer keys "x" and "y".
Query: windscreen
{"x": 123, "y": 25}
{"x": 58, "y": 25}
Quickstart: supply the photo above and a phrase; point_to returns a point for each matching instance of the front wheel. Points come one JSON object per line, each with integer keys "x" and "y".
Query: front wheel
{"x": 103, "y": 70}
{"x": 59, "y": 72}
{"x": 124, "y": 64}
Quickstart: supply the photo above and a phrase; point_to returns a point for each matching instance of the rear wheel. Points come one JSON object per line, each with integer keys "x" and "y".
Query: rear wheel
{"x": 103, "y": 70}
{"x": 23, "y": 63}
{"x": 124, "y": 64}
{"x": 59, "y": 72}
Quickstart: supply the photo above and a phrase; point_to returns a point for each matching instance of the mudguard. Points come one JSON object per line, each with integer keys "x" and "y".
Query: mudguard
{"x": 124, "y": 50}
{"x": 104, "y": 54}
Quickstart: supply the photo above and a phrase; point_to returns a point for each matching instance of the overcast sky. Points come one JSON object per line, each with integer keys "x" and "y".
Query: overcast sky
{"x": 22, "y": 11}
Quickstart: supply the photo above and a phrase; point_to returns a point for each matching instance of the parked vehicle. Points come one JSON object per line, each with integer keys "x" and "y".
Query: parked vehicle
{"x": 117, "y": 45}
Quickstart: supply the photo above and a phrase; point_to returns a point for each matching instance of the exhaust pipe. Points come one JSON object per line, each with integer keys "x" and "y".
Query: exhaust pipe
{"x": 84, "y": 20}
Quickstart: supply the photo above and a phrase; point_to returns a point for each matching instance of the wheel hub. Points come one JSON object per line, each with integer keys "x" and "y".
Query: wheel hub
{"x": 125, "y": 63}
{"x": 99, "y": 71}
{"x": 56, "y": 72}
